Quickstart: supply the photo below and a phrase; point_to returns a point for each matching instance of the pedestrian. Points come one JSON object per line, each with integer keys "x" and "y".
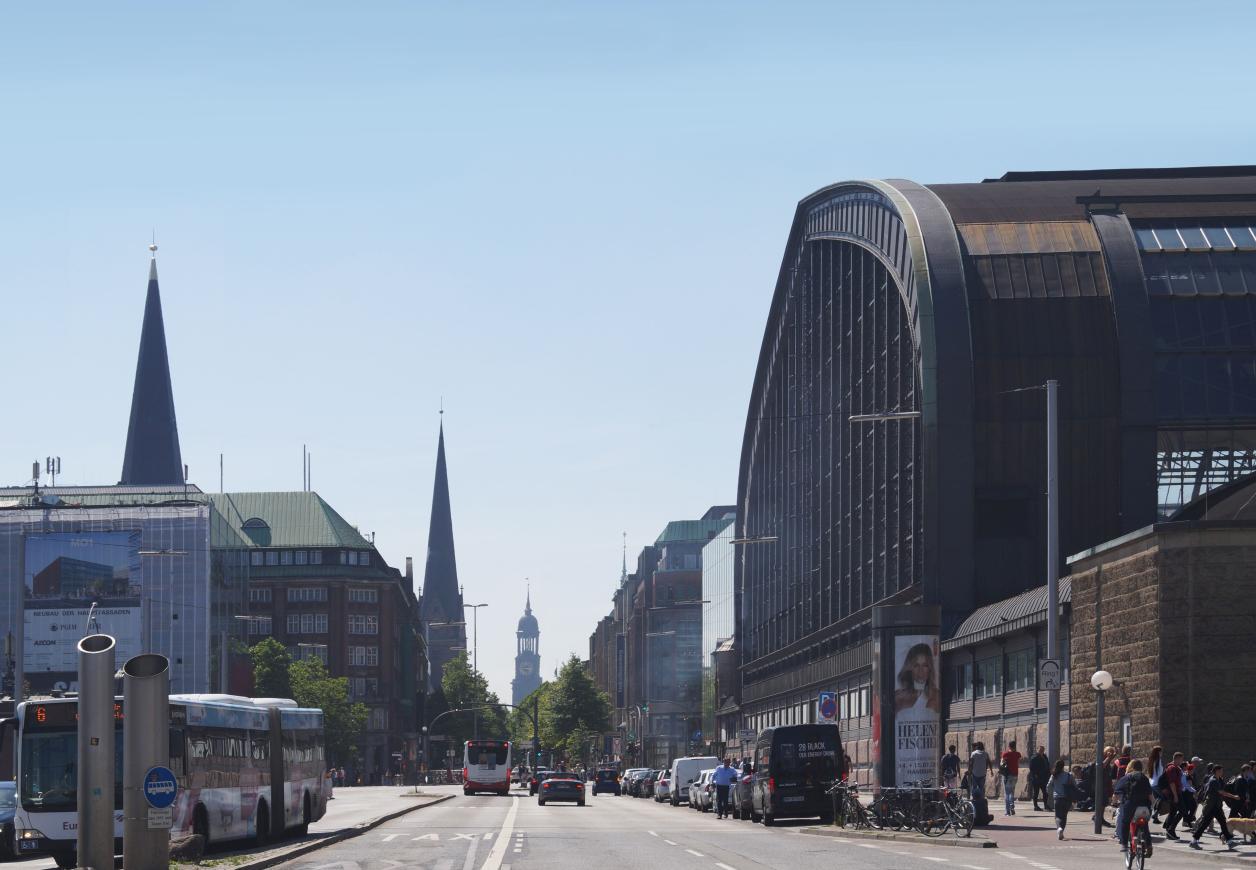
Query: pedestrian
{"x": 1063, "y": 788}
{"x": 1239, "y": 786}
{"x": 1154, "y": 768}
{"x": 950, "y": 768}
{"x": 1134, "y": 790}
{"x": 1171, "y": 791}
{"x": 1107, "y": 768}
{"x": 1210, "y": 797}
{"x": 1189, "y": 804}
{"x": 978, "y": 767}
{"x": 1009, "y": 769}
{"x": 722, "y": 778}
{"x": 1123, "y": 761}
{"x": 1039, "y": 773}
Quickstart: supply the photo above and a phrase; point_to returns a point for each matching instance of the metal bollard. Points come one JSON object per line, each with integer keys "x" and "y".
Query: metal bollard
{"x": 145, "y": 745}
{"x": 97, "y": 764}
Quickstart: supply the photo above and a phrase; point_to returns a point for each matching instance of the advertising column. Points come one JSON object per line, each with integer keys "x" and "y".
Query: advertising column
{"x": 906, "y": 694}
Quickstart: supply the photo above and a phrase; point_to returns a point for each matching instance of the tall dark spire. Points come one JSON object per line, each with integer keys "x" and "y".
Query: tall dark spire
{"x": 152, "y": 439}
{"x": 442, "y": 598}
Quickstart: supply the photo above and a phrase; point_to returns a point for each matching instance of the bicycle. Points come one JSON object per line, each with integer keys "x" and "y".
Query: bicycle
{"x": 1138, "y": 848}
{"x": 851, "y": 811}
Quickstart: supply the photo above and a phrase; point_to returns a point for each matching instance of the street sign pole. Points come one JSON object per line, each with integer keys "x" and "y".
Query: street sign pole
{"x": 1053, "y": 564}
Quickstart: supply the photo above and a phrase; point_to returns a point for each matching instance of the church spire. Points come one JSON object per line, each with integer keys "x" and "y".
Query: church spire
{"x": 152, "y": 439}
{"x": 442, "y": 597}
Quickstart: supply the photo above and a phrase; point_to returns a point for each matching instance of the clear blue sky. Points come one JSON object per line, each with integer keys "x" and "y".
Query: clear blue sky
{"x": 564, "y": 218}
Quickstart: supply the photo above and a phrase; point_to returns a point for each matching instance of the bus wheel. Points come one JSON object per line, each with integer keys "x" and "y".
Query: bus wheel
{"x": 200, "y": 826}
{"x": 263, "y": 824}
{"x": 67, "y": 861}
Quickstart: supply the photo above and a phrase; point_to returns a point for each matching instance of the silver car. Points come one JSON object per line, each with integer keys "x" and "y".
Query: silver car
{"x": 700, "y": 792}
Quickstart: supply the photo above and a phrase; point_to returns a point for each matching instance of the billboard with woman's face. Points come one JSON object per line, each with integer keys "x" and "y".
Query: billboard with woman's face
{"x": 917, "y": 708}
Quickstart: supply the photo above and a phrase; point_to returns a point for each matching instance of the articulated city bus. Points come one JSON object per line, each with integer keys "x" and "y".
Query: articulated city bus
{"x": 246, "y": 768}
{"x": 486, "y": 766}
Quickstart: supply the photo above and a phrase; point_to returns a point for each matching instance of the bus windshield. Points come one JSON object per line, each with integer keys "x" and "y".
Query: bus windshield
{"x": 8, "y": 796}
{"x": 486, "y": 753}
{"x": 50, "y": 769}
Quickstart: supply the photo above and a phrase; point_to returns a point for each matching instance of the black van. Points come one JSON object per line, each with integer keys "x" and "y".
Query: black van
{"x": 795, "y": 765}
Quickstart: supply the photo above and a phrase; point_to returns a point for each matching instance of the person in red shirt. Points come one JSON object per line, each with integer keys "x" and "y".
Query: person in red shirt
{"x": 1009, "y": 769}
{"x": 1171, "y": 791}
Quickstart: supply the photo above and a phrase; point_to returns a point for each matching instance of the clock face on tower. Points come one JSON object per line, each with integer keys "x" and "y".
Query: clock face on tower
{"x": 525, "y": 668}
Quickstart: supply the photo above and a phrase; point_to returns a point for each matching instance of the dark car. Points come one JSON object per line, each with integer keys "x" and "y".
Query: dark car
{"x": 8, "y": 806}
{"x": 606, "y": 780}
{"x": 561, "y": 787}
{"x": 794, "y": 767}
{"x": 647, "y": 784}
{"x": 538, "y": 777}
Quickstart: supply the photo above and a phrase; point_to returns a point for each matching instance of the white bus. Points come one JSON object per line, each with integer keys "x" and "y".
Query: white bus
{"x": 486, "y": 766}
{"x": 246, "y": 768}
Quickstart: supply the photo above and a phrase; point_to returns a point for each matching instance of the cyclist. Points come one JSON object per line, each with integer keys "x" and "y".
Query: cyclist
{"x": 1134, "y": 790}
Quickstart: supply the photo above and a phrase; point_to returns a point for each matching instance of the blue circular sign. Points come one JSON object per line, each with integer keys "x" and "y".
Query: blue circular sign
{"x": 160, "y": 787}
{"x": 828, "y": 705}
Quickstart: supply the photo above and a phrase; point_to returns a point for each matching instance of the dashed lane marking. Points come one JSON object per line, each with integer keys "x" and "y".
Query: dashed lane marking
{"x": 933, "y": 858}
{"x": 695, "y": 854}
{"x": 669, "y": 842}
{"x": 391, "y": 837}
{"x": 722, "y": 866}
{"x": 652, "y": 834}
{"x": 974, "y": 867}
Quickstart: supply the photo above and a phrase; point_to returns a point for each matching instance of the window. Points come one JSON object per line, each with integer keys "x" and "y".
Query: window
{"x": 963, "y": 682}
{"x": 256, "y": 557}
{"x": 261, "y": 595}
{"x": 302, "y": 557}
{"x": 285, "y": 558}
{"x": 843, "y": 705}
{"x": 364, "y": 656}
{"x": 357, "y": 687}
{"x": 272, "y": 557}
{"x": 378, "y": 720}
{"x": 316, "y": 557}
{"x": 260, "y": 625}
{"x": 353, "y": 557}
{"x": 303, "y": 594}
{"x": 364, "y": 596}
{"x": 1020, "y": 670}
{"x": 311, "y": 651}
{"x": 307, "y": 623}
{"x": 362, "y": 623}
{"x": 989, "y": 677}
{"x": 344, "y": 558}
{"x": 364, "y": 558}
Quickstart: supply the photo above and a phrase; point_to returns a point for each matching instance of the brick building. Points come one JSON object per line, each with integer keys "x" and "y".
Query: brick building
{"x": 322, "y": 589}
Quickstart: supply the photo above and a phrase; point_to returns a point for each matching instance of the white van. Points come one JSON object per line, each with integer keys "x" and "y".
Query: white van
{"x": 685, "y": 771}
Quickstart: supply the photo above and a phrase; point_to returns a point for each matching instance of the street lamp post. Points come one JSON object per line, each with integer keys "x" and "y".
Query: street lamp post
{"x": 475, "y": 650}
{"x": 1101, "y": 681}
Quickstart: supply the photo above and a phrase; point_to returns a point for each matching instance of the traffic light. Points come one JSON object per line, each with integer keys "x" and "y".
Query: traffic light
{"x": 645, "y": 708}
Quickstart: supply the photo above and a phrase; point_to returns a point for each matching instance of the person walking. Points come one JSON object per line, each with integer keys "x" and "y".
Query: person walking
{"x": 1210, "y": 797}
{"x": 978, "y": 767}
{"x": 1063, "y": 788}
{"x": 723, "y": 777}
{"x": 1171, "y": 791}
{"x": 1134, "y": 790}
{"x": 950, "y": 768}
{"x": 1009, "y": 769}
{"x": 1155, "y": 769}
{"x": 1039, "y": 773}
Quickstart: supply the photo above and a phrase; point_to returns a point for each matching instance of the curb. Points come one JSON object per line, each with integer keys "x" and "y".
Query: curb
{"x": 334, "y": 837}
{"x": 901, "y": 837}
{"x": 1232, "y": 858}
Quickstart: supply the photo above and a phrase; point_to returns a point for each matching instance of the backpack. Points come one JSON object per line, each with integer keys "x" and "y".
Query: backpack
{"x": 1209, "y": 790}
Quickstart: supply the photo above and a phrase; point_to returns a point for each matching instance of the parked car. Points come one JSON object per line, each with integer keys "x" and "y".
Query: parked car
{"x": 606, "y": 779}
{"x": 538, "y": 777}
{"x": 701, "y": 790}
{"x": 739, "y": 796}
{"x": 794, "y": 767}
{"x": 648, "y": 784}
{"x": 662, "y": 787}
{"x": 684, "y": 771}
{"x": 632, "y": 779}
{"x": 8, "y": 807}
{"x": 564, "y": 786}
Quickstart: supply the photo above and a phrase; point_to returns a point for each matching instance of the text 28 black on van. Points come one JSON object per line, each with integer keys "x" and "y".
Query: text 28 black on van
{"x": 795, "y": 765}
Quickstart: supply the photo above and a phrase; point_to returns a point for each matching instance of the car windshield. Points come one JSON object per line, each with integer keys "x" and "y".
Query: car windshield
{"x": 8, "y": 795}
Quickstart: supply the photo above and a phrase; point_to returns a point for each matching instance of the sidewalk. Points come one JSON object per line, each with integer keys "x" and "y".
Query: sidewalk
{"x": 353, "y": 811}
{"x": 1036, "y": 828}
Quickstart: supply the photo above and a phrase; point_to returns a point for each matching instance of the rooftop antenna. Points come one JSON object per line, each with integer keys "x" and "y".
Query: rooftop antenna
{"x": 305, "y": 481}
{"x": 52, "y": 467}
{"x": 35, "y": 475}
{"x": 153, "y": 247}
{"x": 220, "y": 473}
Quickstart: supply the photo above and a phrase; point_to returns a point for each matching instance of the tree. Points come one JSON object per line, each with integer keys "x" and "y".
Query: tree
{"x": 577, "y": 710}
{"x": 343, "y": 721}
{"x": 521, "y": 720}
{"x": 271, "y": 665}
{"x": 466, "y": 689}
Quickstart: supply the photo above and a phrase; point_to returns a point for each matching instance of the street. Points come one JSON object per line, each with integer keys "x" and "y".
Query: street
{"x": 499, "y": 833}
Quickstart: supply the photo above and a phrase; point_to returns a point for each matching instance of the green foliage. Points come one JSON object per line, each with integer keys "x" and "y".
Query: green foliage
{"x": 466, "y": 689}
{"x": 573, "y": 714}
{"x": 343, "y": 721}
{"x": 271, "y": 664}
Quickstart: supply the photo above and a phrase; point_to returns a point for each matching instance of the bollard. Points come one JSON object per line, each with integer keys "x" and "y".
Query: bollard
{"x": 96, "y": 751}
{"x": 145, "y": 746}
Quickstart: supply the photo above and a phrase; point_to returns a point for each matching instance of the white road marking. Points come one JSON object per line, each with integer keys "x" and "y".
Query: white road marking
{"x": 974, "y": 867}
{"x": 695, "y": 854}
{"x": 932, "y": 858}
{"x": 652, "y": 834}
{"x": 391, "y": 837}
{"x": 470, "y": 861}
{"x": 867, "y": 846}
{"x": 494, "y": 860}
{"x": 722, "y": 866}
{"x": 425, "y": 837}
{"x": 489, "y": 835}
{"x": 669, "y": 842}
{"x": 464, "y": 837}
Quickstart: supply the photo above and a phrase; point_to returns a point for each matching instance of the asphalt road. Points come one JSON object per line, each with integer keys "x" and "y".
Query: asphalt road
{"x": 509, "y": 833}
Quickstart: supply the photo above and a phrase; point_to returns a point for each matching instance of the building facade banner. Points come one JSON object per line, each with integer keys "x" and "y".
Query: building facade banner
{"x": 917, "y": 708}
{"x": 620, "y": 664}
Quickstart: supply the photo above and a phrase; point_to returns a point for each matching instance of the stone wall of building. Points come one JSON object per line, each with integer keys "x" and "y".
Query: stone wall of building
{"x": 1171, "y": 614}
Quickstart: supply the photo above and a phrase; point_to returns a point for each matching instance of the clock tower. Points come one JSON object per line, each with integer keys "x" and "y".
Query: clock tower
{"x": 527, "y": 657}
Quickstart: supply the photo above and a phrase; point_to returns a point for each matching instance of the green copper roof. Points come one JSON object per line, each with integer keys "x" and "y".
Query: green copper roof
{"x": 691, "y": 531}
{"x": 291, "y": 519}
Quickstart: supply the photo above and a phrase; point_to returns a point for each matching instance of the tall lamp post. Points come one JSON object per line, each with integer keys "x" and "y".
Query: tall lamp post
{"x": 475, "y": 649}
{"x": 1101, "y": 682}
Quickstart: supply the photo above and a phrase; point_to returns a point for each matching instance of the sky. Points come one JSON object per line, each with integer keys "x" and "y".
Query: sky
{"x": 562, "y": 220}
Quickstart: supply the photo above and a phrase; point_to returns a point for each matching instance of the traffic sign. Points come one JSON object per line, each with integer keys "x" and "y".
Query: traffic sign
{"x": 747, "y": 734}
{"x": 828, "y": 706}
{"x": 160, "y": 787}
{"x": 1049, "y": 675}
